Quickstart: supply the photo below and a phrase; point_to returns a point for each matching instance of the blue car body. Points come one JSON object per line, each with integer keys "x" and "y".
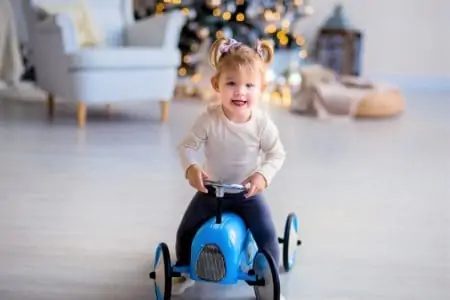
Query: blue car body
{"x": 222, "y": 252}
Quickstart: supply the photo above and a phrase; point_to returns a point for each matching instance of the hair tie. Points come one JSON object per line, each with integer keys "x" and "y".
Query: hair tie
{"x": 230, "y": 44}
{"x": 258, "y": 48}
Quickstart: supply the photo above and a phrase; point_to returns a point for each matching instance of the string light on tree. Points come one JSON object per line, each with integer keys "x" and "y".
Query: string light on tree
{"x": 245, "y": 20}
{"x": 213, "y": 3}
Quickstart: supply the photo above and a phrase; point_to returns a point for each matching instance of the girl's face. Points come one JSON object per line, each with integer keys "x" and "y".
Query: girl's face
{"x": 239, "y": 91}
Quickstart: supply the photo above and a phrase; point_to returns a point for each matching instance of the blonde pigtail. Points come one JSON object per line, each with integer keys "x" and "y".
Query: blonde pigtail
{"x": 267, "y": 50}
{"x": 214, "y": 54}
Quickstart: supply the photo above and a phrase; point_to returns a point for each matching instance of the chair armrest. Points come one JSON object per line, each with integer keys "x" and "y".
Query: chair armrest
{"x": 161, "y": 31}
{"x": 63, "y": 28}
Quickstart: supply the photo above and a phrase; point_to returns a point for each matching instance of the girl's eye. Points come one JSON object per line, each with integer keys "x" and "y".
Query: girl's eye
{"x": 250, "y": 85}
{"x": 230, "y": 83}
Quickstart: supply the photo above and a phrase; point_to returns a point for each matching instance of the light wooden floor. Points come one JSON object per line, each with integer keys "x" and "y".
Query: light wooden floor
{"x": 82, "y": 211}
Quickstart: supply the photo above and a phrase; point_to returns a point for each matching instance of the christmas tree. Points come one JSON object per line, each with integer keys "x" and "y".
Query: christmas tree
{"x": 244, "y": 20}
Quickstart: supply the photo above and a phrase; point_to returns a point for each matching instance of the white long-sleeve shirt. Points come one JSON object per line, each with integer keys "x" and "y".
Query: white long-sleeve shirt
{"x": 233, "y": 151}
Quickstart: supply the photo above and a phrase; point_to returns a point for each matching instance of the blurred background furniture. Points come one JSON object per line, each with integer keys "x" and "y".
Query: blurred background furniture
{"x": 339, "y": 44}
{"x": 326, "y": 94}
{"x": 94, "y": 52}
{"x": 11, "y": 66}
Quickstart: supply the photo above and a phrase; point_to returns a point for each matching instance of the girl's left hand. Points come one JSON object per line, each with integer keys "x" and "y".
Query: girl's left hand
{"x": 257, "y": 184}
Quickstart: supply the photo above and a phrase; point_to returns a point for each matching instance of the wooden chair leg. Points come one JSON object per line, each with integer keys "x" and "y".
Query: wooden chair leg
{"x": 81, "y": 114}
{"x": 164, "y": 105}
{"x": 50, "y": 105}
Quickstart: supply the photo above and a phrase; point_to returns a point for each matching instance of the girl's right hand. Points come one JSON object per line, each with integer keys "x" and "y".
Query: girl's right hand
{"x": 196, "y": 176}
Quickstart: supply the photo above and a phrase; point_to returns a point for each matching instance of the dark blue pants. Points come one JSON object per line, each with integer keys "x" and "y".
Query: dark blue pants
{"x": 254, "y": 211}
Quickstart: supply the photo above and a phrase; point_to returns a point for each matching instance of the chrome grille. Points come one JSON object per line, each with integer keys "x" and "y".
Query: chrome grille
{"x": 210, "y": 264}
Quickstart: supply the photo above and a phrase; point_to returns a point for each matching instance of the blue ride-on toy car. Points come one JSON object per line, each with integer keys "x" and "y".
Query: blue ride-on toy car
{"x": 223, "y": 251}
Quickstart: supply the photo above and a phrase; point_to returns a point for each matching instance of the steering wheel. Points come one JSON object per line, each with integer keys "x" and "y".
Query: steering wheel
{"x": 220, "y": 192}
{"x": 219, "y": 185}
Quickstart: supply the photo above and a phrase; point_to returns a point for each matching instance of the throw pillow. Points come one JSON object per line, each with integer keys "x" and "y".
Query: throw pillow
{"x": 88, "y": 34}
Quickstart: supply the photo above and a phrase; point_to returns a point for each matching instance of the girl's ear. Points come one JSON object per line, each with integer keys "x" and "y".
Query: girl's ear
{"x": 263, "y": 86}
{"x": 215, "y": 83}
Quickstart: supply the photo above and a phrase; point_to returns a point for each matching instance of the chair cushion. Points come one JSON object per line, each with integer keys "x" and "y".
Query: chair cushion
{"x": 126, "y": 57}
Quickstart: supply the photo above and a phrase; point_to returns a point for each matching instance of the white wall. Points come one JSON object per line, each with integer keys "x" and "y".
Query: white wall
{"x": 403, "y": 38}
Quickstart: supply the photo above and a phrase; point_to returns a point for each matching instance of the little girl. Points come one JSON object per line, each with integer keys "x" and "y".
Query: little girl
{"x": 234, "y": 134}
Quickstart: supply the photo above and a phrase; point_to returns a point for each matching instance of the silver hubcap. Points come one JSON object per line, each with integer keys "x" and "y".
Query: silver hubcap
{"x": 160, "y": 276}
{"x": 292, "y": 244}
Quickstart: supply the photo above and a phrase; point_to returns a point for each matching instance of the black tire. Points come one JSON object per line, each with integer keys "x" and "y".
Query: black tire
{"x": 264, "y": 268}
{"x": 290, "y": 240}
{"x": 162, "y": 273}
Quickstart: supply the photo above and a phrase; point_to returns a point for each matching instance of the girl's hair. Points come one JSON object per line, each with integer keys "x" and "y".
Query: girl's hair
{"x": 229, "y": 53}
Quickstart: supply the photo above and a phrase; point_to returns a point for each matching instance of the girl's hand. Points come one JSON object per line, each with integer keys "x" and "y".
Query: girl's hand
{"x": 257, "y": 184}
{"x": 196, "y": 176}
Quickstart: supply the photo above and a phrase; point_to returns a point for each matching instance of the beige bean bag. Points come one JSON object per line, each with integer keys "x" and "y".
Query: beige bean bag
{"x": 381, "y": 104}
{"x": 326, "y": 94}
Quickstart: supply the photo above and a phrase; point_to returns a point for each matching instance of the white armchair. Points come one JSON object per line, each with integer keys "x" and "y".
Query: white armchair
{"x": 115, "y": 59}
